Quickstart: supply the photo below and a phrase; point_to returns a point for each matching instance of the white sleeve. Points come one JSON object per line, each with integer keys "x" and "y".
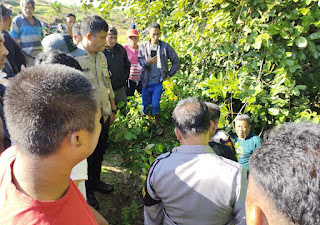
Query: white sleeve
{"x": 80, "y": 171}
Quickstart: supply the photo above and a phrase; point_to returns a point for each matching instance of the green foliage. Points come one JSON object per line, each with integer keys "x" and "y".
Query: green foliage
{"x": 129, "y": 214}
{"x": 257, "y": 57}
{"x": 57, "y": 6}
{"x": 133, "y": 136}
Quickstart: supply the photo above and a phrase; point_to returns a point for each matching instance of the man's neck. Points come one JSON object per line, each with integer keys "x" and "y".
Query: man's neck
{"x": 69, "y": 32}
{"x": 85, "y": 46}
{"x": 109, "y": 47}
{"x": 134, "y": 46}
{"x": 30, "y": 18}
{"x": 200, "y": 139}
{"x": 154, "y": 43}
{"x": 41, "y": 178}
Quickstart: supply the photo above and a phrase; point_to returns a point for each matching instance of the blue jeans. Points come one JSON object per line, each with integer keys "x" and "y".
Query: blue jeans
{"x": 151, "y": 95}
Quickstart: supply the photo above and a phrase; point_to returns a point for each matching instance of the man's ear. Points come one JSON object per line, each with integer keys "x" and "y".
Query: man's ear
{"x": 89, "y": 36}
{"x": 216, "y": 125}
{"x": 75, "y": 139}
{"x": 211, "y": 127}
{"x": 255, "y": 216}
{"x": 178, "y": 134}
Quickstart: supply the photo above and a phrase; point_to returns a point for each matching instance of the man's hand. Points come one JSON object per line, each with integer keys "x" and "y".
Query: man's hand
{"x": 99, "y": 218}
{"x": 112, "y": 118}
{"x": 152, "y": 60}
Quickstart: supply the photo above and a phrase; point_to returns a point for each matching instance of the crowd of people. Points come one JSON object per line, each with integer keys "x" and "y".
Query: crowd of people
{"x": 61, "y": 93}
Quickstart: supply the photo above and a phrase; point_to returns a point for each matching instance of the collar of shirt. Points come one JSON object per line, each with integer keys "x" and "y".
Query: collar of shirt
{"x": 193, "y": 149}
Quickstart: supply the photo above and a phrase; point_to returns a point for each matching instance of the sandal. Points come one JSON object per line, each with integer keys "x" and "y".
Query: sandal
{"x": 159, "y": 130}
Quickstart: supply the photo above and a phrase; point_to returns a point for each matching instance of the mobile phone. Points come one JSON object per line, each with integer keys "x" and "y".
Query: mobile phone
{"x": 153, "y": 53}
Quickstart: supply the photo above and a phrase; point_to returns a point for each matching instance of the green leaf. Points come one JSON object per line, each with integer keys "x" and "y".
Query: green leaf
{"x": 301, "y": 87}
{"x": 301, "y": 42}
{"x": 159, "y": 148}
{"x": 308, "y": 2}
{"x": 274, "y": 111}
{"x": 295, "y": 91}
{"x": 150, "y": 146}
{"x": 128, "y": 135}
{"x": 304, "y": 11}
{"x": 314, "y": 36}
{"x": 259, "y": 39}
{"x": 151, "y": 159}
{"x": 274, "y": 29}
{"x": 148, "y": 151}
{"x": 251, "y": 100}
{"x": 144, "y": 170}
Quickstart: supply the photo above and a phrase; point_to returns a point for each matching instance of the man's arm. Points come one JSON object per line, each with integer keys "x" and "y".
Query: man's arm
{"x": 239, "y": 211}
{"x": 15, "y": 30}
{"x": 141, "y": 57}
{"x": 126, "y": 61}
{"x": 114, "y": 108}
{"x": 153, "y": 206}
{"x": 174, "y": 59}
{"x": 99, "y": 218}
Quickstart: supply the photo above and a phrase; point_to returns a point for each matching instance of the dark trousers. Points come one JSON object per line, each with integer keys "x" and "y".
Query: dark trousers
{"x": 96, "y": 158}
{"x": 132, "y": 86}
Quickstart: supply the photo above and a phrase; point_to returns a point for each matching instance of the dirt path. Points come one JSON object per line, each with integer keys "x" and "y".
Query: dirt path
{"x": 124, "y": 206}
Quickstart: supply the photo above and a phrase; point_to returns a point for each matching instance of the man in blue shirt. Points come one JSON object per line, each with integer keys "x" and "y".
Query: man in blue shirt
{"x": 153, "y": 58}
{"x": 27, "y": 30}
{"x": 246, "y": 142}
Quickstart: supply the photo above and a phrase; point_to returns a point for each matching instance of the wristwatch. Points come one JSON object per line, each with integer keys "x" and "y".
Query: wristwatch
{"x": 114, "y": 111}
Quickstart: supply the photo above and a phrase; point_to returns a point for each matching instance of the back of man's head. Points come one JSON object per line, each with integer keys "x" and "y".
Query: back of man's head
{"x": 214, "y": 111}
{"x": 57, "y": 57}
{"x": 286, "y": 171}
{"x": 76, "y": 29}
{"x": 93, "y": 24}
{"x": 191, "y": 117}
{"x": 43, "y": 104}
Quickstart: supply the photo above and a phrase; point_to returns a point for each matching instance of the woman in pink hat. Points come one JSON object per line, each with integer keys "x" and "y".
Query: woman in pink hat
{"x": 133, "y": 50}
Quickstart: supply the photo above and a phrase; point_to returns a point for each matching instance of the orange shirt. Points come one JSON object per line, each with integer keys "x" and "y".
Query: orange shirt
{"x": 16, "y": 208}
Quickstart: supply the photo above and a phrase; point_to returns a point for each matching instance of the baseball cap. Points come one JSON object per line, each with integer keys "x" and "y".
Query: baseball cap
{"x": 132, "y": 33}
{"x": 5, "y": 11}
{"x": 58, "y": 41}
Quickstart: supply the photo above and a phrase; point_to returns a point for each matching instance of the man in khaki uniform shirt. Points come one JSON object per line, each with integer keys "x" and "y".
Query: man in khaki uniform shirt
{"x": 89, "y": 54}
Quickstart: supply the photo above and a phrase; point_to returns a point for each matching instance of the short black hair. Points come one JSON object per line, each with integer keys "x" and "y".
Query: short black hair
{"x": 93, "y": 24}
{"x": 113, "y": 31}
{"x": 44, "y": 103}
{"x": 153, "y": 25}
{"x": 76, "y": 29}
{"x": 287, "y": 168}
{"x": 57, "y": 57}
{"x": 214, "y": 111}
{"x": 191, "y": 116}
{"x": 69, "y": 15}
{"x": 26, "y": 2}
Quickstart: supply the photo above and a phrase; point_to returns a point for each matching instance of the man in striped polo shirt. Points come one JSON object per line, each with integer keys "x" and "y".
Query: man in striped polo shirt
{"x": 27, "y": 30}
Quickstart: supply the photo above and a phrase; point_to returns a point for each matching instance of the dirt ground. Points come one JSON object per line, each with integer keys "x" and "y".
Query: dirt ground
{"x": 124, "y": 206}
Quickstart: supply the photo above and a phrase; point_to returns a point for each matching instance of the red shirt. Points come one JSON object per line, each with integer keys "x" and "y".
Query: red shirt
{"x": 16, "y": 208}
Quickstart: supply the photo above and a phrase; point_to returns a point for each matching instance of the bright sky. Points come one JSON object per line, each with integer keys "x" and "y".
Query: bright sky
{"x": 67, "y": 2}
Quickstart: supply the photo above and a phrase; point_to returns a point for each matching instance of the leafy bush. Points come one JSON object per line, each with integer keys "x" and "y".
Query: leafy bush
{"x": 257, "y": 57}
